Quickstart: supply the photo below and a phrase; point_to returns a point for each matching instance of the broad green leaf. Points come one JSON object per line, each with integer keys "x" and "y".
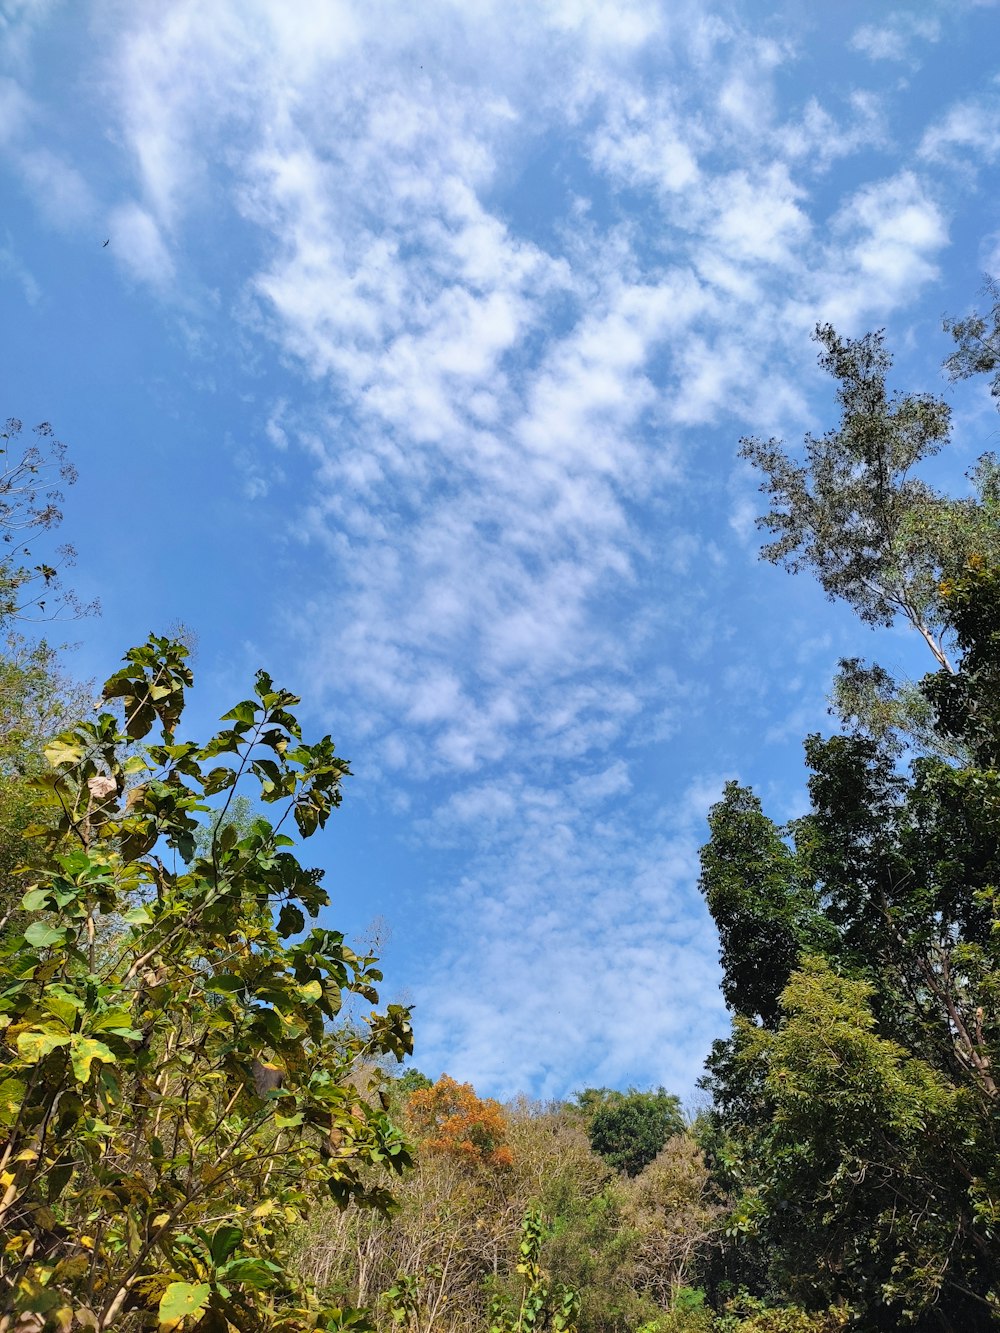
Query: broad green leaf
{"x": 219, "y": 779}
{"x": 253, "y": 1272}
{"x": 224, "y": 1242}
{"x": 35, "y": 900}
{"x": 242, "y": 712}
{"x": 36, "y": 1044}
{"x": 116, "y": 1021}
{"x": 63, "y": 1006}
{"x": 42, "y": 936}
{"x": 179, "y": 1301}
{"x": 312, "y": 990}
{"x": 137, "y": 916}
{"x": 226, "y": 983}
{"x": 290, "y": 920}
{"x": 84, "y": 1051}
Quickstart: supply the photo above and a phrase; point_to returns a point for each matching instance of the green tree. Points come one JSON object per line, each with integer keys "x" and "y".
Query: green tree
{"x": 862, "y": 1112}
{"x": 36, "y": 700}
{"x": 856, "y": 1102}
{"x": 853, "y": 513}
{"x": 628, "y": 1129}
{"x": 977, "y": 339}
{"x": 175, "y": 1096}
{"x": 874, "y": 534}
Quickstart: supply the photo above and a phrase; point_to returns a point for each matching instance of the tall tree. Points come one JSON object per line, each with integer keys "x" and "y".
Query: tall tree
{"x": 32, "y": 477}
{"x": 977, "y": 339}
{"x": 37, "y": 698}
{"x": 854, "y": 514}
{"x": 856, "y": 1102}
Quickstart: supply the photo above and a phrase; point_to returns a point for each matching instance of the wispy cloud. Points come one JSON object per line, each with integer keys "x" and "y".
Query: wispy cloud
{"x": 529, "y": 270}
{"x": 968, "y": 132}
{"x": 507, "y": 405}
{"x": 896, "y": 36}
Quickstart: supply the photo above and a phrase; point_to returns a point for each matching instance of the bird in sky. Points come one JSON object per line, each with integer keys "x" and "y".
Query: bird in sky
{"x": 106, "y": 243}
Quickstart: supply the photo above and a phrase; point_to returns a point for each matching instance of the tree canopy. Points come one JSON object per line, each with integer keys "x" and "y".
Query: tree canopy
{"x": 856, "y": 1101}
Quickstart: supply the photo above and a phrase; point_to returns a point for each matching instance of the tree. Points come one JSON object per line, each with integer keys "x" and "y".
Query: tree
{"x": 864, "y": 1106}
{"x": 978, "y": 343}
{"x": 176, "y": 1095}
{"x": 31, "y": 481}
{"x": 36, "y": 700}
{"x": 669, "y": 1217}
{"x": 872, "y": 533}
{"x": 36, "y": 696}
{"x": 449, "y": 1117}
{"x": 541, "y": 1305}
{"x": 628, "y": 1129}
{"x": 856, "y": 1102}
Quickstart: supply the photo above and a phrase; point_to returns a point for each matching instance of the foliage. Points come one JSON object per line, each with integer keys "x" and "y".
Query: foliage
{"x": 542, "y": 1305}
{"x": 31, "y": 477}
{"x": 628, "y": 1129}
{"x": 872, "y": 533}
{"x": 745, "y": 1314}
{"x": 454, "y": 1239}
{"x": 448, "y": 1117}
{"x": 762, "y": 904}
{"x": 174, "y": 1095}
{"x": 411, "y": 1080}
{"x": 669, "y": 1217}
{"x": 855, "y": 1119}
{"x": 977, "y": 339}
{"x": 36, "y": 699}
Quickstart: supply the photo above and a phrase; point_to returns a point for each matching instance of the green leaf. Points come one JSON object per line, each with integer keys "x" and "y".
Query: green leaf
{"x": 269, "y": 1022}
{"x": 253, "y": 1272}
{"x": 35, "y": 900}
{"x": 224, "y": 1242}
{"x": 225, "y": 983}
{"x": 180, "y": 1300}
{"x": 116, "y": 1021}
{"x": 242, "y": 712}
{"x": 63, "y": 1006}
{"x": 84, "y": 1051}
{"x": 42, "y": 936}
{"x": 64, "y": 751}
{"x": 36, "y": 1044}
{"x": 136, "y": 916}
{"x": 219, "y": 779}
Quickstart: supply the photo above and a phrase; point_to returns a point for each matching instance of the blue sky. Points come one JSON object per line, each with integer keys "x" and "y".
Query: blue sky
{"x": 415, "y": 370}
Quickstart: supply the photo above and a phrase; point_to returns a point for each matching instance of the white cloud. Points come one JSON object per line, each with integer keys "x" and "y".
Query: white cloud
{"x": 503, "y": 402}
{"x": 12, "y": 266}
{"x": 887, "y": 236}
{"x": 969, "y": 130}
{"x": 139, "y": 245}
{"x": 586, "y": 939}
{"x": 895, "y": 37}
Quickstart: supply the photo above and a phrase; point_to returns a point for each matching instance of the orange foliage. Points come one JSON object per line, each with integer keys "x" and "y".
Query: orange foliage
{"x": 449, "y": 1118}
